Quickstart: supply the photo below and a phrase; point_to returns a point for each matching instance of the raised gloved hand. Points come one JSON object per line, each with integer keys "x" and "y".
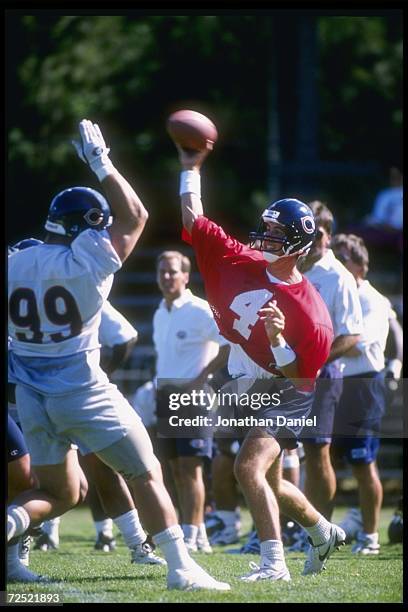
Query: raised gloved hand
{"x": 93, "y": 150}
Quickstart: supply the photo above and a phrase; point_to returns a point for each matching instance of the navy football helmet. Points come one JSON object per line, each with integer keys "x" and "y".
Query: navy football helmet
{"x": 297, "y": 222}
{"x": 77, "y": 209}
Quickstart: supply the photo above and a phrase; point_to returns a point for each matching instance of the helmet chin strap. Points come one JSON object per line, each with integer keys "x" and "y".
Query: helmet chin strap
{"x": 270, "y": 257}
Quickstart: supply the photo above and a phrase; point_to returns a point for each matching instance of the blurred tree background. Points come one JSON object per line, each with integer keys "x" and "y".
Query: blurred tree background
{"x": 307, "y": 104}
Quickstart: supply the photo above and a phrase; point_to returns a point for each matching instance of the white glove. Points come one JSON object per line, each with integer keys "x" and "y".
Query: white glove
{"x": 93, "y": 150}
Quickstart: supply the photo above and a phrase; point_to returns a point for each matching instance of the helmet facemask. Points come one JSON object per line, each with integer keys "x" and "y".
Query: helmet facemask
{"x": 271, "y": 239}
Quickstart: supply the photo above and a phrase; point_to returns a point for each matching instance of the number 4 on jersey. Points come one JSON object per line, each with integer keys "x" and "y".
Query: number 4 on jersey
{"x": 246, "y": 305}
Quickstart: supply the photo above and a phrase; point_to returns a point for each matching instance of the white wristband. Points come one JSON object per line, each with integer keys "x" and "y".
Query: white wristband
{"x": 283, "y": 353}
{"x": 290, "y": 461}
{"x": 102, "y": 167}
{"x": 190, "y": 182}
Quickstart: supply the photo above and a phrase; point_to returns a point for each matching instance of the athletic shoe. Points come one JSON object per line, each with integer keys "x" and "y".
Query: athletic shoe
{"x": 144, "y": 555}
{"x": 194, "y": 579}
{"x": 266, "y": 573}
{"x": 319, "y": 554}
{"x": 45, "y": 542}
{"x": 366, "y": 544}
{"x": 19, "y": 573}
{"x": 352, "y": 524}
{"x": 301, "y": 542}
{"x": 105, "y": 542}
{"x": 228, "y": 535}
{"x": 204, "y": 546}
{"x": 24, "y": 549}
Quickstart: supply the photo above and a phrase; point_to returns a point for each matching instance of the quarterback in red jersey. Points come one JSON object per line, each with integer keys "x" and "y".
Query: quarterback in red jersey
{"x": 239, "y": 281}
{"x": 279, "y": 329}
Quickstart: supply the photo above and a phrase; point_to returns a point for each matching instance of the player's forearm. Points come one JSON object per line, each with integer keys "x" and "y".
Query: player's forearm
{"x": 129, "y": 212}
{"x": 394, "y": 347}
{"x": 120, "y": 354}
{"x": 341, "y": 345}
{"x": 191, "y": 208}
{"x": 291, "y": 371}
{"x": 285, "y": 358}
{"x": 126, "y": 204}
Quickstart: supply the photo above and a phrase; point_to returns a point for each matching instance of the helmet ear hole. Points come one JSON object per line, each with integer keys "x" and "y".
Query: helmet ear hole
{"x": 93, "y": 216}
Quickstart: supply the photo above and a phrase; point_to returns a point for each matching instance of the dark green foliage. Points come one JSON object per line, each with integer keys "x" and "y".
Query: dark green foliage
{"x": 129, "y": 71}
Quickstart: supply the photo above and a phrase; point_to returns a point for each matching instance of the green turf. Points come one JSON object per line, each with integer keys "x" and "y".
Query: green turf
{"x": 93, "y": 576}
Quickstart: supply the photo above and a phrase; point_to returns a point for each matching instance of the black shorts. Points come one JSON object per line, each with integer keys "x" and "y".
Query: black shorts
{"x": 361, "y": 408}
{"x": 329, "y": 387}
{"x": 274, "y": 405}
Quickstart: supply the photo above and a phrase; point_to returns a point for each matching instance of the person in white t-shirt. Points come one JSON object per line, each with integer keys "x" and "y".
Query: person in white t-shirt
{"x": 189, "y": 348}
{"x": 338, "y": 289}
{"x": 363, "y": 401}
{"x": 56, "y": 293}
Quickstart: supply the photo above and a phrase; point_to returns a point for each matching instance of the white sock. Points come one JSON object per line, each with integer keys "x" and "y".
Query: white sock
{"x": 320, "y": 532}
{"x": 52, "y": 527}
{"x": 130, "y": 527}
{"x": 21, "y": 519}
{"x": 174, "y": 549}
{"x": 228, "y": 516}
{"x": 190, "y": 533}
{"x": 272, "y": 553}
{"x": 202, "y": 533}
{"x": 12, "y": 555}
{"x": 104, "y": 526}
{"x": 372, "y": 537}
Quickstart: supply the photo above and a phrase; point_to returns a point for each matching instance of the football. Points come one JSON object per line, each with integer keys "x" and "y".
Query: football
{"x": 192, "y": 130}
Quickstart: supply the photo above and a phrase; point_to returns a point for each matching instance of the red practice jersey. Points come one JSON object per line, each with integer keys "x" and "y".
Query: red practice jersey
{"x": 237, "y": 286}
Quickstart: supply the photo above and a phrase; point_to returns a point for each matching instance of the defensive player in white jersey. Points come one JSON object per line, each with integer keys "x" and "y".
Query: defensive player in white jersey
{"x": 363, "y": 401}
{"x": 56, "y": 292}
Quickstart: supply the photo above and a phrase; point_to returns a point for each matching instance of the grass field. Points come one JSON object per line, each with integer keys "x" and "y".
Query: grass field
{"x": 91, "y": 576}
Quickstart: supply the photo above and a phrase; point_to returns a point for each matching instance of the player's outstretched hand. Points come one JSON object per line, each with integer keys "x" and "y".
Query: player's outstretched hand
{"x": 274, "y": 320}
{"x": 192, "y": 160}
{"x": 91, "y": 148}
